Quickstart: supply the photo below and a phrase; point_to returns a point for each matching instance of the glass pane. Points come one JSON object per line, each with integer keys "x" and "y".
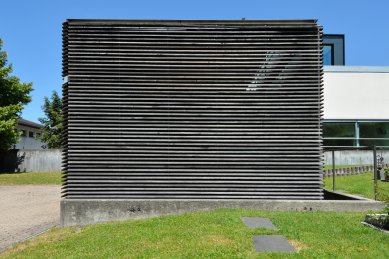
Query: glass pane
{"x": 374, "y": 142}
{"x": 374, "y": 129}
{"x": 327, "y": 55}
{"x": 338, "y": 142}
{"x": 338, "y": 130}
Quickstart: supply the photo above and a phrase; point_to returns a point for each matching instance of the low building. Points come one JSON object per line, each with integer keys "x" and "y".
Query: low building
{"x": 356, "y": 103}
{"x": 356, "y": 100}
{"x": 30, "y": 133}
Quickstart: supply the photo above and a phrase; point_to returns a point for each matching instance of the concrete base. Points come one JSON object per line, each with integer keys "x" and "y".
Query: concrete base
{"x": 76, "y": 212}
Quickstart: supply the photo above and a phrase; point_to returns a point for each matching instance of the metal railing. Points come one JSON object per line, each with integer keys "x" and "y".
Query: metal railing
{"x": 374, "y": 156}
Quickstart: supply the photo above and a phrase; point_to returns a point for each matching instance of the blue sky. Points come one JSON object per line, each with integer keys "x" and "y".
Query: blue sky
{"x": 31, "y": 30}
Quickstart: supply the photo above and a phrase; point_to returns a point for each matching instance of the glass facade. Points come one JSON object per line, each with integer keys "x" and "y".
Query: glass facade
{"x": 340, "y": 130}
{"x": 356, "y": 133}
{"x": 374, "y": 129}
{"x": 328, "y": 55}
{"x": 333, "y": 50}
{"x": 374, "y": 133}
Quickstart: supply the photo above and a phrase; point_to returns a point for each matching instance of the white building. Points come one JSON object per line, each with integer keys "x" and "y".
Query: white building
{"x": 356, "y": 106}
{"x": 31, "y": 131}
{"x": 356, "y": 100}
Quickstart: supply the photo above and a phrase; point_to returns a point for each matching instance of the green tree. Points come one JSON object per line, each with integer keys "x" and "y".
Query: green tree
{"x": 13, "y": 96}
{"x": 52, "y": 122}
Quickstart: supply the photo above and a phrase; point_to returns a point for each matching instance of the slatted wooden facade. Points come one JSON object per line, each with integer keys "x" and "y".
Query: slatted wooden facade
{"x": 192, "y": 109}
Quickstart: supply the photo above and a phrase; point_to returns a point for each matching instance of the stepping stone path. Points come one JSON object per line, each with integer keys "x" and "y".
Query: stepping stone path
{"x": 272, "y": 243}
{"x": 267, "y": 243}
{"x": 258, "y": 223}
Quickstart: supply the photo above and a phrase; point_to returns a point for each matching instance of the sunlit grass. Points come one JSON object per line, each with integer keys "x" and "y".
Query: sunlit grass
{"x": 30, "y": 178}
{"x": 217, "y": 234}
{"x": 360, "y": 184}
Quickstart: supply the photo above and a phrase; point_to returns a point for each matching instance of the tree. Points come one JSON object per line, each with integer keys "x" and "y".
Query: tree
{"x": 52, "y": 122}
{"x": 13, "y": 96}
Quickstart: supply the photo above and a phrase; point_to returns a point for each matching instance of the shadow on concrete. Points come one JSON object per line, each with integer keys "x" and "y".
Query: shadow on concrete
{"x": 331, "y": 195}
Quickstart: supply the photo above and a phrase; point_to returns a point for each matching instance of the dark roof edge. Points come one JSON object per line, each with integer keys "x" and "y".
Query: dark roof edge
{"x": 353, "y": 120}
{"x": 306, "y": 21}
{"x": 28, "y": 123}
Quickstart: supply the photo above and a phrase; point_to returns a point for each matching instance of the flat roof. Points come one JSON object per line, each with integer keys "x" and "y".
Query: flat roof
{"x": 357, "y": 69}
{"x": 353, "y": 120}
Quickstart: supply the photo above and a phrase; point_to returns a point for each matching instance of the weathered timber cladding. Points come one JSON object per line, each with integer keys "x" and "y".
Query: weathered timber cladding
{"x": 192, "y": 109}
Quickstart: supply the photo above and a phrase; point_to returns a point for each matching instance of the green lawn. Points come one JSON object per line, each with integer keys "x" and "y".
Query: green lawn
{"x": 217, "y": 234}
{"x": 30, "y": 178}
{"x": 361, "y": 184}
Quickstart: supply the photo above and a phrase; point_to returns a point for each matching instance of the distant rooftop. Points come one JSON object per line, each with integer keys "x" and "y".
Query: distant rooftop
{"x": 28, "y": 123}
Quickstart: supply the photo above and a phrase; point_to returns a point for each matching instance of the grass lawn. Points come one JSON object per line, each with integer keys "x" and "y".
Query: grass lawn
{"x": 361, "y": 184}
{"x": 217, "y": 234}
{"x": 30, "y": 178}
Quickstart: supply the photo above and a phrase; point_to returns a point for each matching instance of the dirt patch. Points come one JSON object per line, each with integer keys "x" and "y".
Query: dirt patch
{"x": 216, "y": 240}
{"x": 298, "y": 245}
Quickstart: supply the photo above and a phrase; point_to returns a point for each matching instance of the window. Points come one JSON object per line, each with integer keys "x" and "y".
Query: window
{"x": 374, "y": 129}
{"x": 38, "y": 134}
{"x": 339, "y": 142}
{"x": 333, "y": 49}
{"x": 30, "y": 134}
{"x": 336, "y": 129}
{"x": 374, "y": 142}
{"x": 328, "y": 55}
{"x": 374, "y": 133}
{"x": 356, "y": 133}
{"x": 24, "y": 133}
{"x": 339, "y": 134}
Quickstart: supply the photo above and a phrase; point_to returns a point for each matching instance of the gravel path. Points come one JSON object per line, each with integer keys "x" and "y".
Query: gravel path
{"x": 27, "y": 210}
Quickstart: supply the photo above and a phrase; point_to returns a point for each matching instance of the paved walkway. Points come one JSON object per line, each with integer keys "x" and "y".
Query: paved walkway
{"x": 267, "y": 243}
{"x": 27, "y": 210}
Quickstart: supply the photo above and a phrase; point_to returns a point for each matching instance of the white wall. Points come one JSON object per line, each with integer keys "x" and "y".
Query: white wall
{"x": 27, "y": 142}
{"x": 356, "y": 94}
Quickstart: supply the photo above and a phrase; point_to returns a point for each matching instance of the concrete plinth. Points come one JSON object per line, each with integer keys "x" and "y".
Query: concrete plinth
{"x": 75, "y": 212}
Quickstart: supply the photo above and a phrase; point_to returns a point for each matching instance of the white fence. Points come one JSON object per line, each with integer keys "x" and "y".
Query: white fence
{"x": 354, "y": 157}
{"x": 43, "y": 160}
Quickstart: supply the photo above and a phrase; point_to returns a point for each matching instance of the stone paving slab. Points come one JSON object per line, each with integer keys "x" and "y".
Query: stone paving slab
{"x": 27, "y": 210}
{"x": 272, "y": 243}
{"x": 255, "y": 222}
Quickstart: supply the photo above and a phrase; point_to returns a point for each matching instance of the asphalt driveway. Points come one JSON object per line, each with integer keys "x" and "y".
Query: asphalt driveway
{"x": 27, "y": 210}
